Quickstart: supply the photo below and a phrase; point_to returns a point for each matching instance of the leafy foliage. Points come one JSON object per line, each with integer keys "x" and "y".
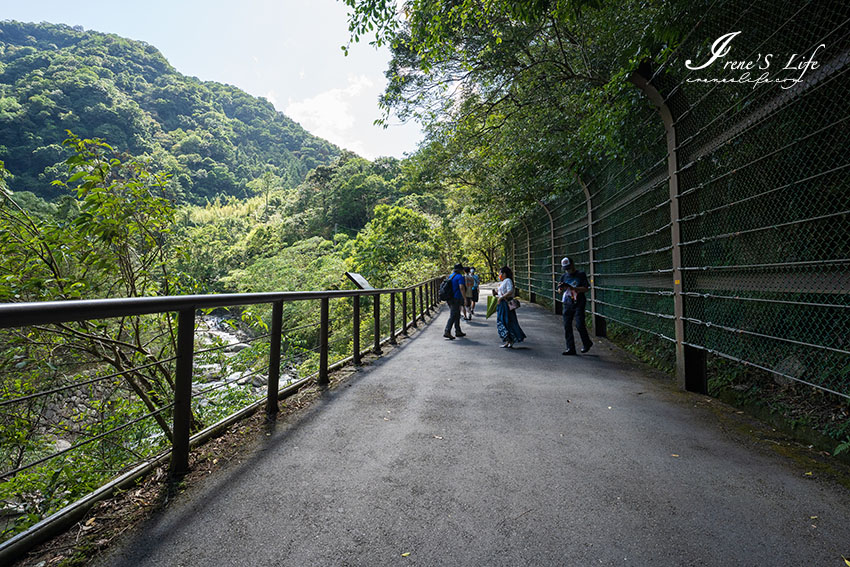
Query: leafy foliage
{"x": 397, "y": 246}
{"x": 109, "y": 241}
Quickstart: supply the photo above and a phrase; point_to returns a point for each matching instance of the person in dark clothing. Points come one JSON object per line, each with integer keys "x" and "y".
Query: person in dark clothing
{"x": 573, "y": 285}
{"x": 459, "y": 290}
{"x": 473, "y": 297}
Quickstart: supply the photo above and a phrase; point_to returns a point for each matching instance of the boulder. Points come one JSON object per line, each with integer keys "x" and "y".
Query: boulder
{"x": 790, "y": 366}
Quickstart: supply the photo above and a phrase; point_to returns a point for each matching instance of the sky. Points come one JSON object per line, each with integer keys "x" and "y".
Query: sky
{"x": 287, "y": 51}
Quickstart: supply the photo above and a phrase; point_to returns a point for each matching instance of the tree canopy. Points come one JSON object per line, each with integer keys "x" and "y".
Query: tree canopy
{"x": 517, "y": 96}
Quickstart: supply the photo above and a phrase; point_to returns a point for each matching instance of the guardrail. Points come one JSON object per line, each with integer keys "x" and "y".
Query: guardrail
{"x": 413, "y": 310}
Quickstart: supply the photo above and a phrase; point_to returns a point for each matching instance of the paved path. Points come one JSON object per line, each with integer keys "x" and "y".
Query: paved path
{"x": 462, "y": 453}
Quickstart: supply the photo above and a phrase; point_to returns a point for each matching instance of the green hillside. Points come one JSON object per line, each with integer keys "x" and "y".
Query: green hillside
{"x": 213, "y": 138}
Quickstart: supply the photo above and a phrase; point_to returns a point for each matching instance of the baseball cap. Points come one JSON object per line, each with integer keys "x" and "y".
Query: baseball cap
{"x": 565, "y": 262}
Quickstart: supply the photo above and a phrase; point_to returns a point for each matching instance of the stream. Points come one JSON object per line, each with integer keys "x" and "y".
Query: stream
{"x": 214, "y": 331}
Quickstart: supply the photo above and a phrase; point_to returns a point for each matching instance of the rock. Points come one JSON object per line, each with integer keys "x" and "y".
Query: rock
{"x": 236, "y": 347}
{"x": 206, "y": 386}
{"x": 790, "y": 366}
{"x": 259, "y": 380}
{"x": 12, "y": 509}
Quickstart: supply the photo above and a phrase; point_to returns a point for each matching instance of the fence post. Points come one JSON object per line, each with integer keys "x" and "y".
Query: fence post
{"x": 413, "y": 307}
{"x": 531, "y": 295}
{"x": 511, "y": 261}
{"x": 423, "y": 294}
{"x": 422, "y": 307}
{"x": 356, "y": 329}
{"x": 274, "y": 361}
{"x": 555, "y": 309}
{"x": 377, "y": 311}
{"x": 598, "y": 322}
{"x": 324, "y": 380}
{"x": 392, "y": 319}
{"x": 690, "y": 362}
{"x": 404, "y": 312}
{"x": 183, "y": 393}
{"x": 513, "y": 252}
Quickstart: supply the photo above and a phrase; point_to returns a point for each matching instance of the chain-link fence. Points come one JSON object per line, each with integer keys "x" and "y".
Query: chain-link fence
{"x": 725, "y": 230}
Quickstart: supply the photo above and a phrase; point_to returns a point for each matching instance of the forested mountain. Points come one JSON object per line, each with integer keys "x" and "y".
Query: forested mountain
{"x": 212, "y": 138}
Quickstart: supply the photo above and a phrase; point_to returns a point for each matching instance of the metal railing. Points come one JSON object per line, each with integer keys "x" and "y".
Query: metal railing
{"x": 417, "y": 302}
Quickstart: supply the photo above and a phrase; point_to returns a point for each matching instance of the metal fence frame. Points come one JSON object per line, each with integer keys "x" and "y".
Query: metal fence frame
{"x": 652, "y": 229}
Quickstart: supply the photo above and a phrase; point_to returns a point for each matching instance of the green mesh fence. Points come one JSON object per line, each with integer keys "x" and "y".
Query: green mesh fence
{"x": 759, "y": 197}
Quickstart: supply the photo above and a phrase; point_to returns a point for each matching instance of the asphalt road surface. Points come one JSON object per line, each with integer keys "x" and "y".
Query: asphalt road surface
{"x": 463, "y": 453}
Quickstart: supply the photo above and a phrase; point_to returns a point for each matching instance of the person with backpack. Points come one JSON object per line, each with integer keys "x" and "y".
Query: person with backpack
{"x": 455, "y": 300}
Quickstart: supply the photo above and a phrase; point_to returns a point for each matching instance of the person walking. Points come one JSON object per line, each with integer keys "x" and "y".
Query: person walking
{"x": 473, "y": 299}
{"x": 506, "y": 321}
{"x": 573, "y": 285}
{"x": 468, "y": 282}
{"x": 458, "y": 299}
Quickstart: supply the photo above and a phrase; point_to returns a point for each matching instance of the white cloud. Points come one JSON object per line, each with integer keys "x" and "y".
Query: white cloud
{"x": 271, "y": 98}
{"x": 332, "y": 113}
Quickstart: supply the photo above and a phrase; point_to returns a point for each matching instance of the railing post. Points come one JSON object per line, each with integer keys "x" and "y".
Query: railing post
{"x": 421, "y": 305}
{"x": 392, "y": 319}
{"x": 377, "y": 311}
{"x": 404, "y": 312}
{"x": 423, "y": 291}
{"x": 274, "y": 361}
{"x": 183, "y": 392}
{"x": 323, "y": 343}
{"x": 413, "y": 307}
{"x": 356, "y": 330}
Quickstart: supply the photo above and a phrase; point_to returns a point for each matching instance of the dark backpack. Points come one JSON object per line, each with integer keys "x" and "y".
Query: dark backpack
{"x": 446, "y": 292}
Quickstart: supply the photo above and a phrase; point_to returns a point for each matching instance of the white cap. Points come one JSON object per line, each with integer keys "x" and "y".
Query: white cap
{"x": 565, "y": 262}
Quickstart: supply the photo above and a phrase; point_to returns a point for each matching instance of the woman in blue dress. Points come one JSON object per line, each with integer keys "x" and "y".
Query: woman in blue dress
{"x": 506, "y": 321}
